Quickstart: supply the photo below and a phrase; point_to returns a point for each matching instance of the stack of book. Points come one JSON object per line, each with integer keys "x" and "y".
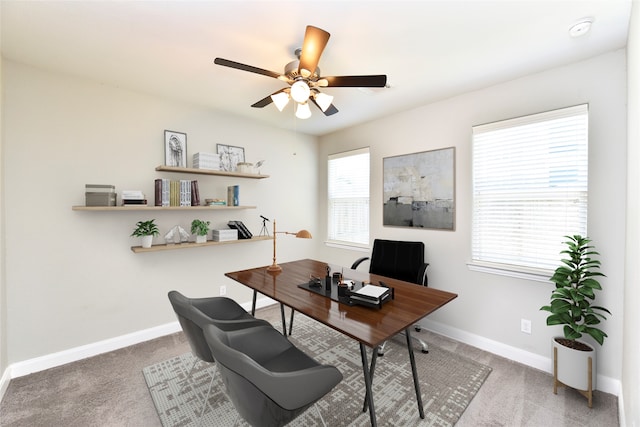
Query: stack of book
{"x": 225, "y": 235}
{"x": 206, "y": 161}
{"x": 100, "y": 195}
{"x": 215, "y": 202}
{"x": 133, "y": 197}
{"x": 184, "y": 192}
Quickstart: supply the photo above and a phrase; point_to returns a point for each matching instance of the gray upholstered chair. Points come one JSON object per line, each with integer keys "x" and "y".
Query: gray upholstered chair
{"x": 268, "y": 379}
{"x": 402, "y": 260}
{"x": 194, "y": 313}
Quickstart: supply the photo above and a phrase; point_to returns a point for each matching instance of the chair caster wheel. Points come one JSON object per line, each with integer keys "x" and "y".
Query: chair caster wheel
{"x": 418, "y": 328}
{"x": 425, "y": 351}
{"x": 380, "y": 354}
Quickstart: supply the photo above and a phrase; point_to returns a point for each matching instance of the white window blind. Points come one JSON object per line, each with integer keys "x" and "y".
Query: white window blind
{"x": 348, "y": 217}
{"x": 529, "y": 188}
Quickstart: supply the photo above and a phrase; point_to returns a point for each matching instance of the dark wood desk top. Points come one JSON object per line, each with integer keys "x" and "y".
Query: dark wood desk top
{"x": 369, "y": 326}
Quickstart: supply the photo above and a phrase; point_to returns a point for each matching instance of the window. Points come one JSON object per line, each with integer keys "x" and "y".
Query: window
{"x": 348, "y": 217}
{"x": 529, "y": 190}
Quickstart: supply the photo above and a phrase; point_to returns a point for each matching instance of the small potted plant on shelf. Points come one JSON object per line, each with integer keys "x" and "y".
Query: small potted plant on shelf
{"x": 574, "y": 362}
{"x": 146, "y": 230}
{"x": 200, "y": 229}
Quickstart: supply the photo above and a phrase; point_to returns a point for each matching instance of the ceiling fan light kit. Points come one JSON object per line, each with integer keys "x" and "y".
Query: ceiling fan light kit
{"x": 303, "y": 77}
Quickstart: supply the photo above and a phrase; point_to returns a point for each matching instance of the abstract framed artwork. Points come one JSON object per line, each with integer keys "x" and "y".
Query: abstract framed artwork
{"x": 175, "y": 149}
{"x": 230, "y": 156}
{"x": 419, "y": 190}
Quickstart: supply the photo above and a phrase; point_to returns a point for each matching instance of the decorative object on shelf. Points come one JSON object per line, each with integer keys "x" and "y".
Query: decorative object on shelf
{"x": 200, "y": 229}
{"x": 302, "y": 234}
{"x": 233, "y": 195}
{"x": 175, "y": 148}
{"x": 176, "y": 235}
{"x": 244, "y": 167}
{"x": 146, "y": 230}
{"x": 419, "y": 190}
{"x": 574, "y": 362}
{"x": 258, "y": 165}
{"x": 100, "y": 195}
{"x": 230, "y": 156}
{"x": 264, "y": 231}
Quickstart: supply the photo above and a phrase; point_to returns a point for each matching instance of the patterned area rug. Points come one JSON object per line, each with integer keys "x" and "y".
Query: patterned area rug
{"x": 448, "y": 382}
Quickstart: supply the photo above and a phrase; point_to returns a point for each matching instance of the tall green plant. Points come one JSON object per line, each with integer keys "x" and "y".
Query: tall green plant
{"x": 571, "y": 300}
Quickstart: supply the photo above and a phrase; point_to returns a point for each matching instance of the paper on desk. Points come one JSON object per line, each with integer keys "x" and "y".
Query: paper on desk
{"x": 372, "y": 291}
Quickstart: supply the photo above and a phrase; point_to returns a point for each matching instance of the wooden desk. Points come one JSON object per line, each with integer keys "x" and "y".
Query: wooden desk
{"x": 370, "y": 327}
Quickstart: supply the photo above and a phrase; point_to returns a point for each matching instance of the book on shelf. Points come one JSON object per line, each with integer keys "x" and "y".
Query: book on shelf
{"x": 215, "y": 202}
{"x": 162, "y": 192}
{"x": 224, "y": 235}
{"x": 195, "y": 193}
{"x": 134, "y": 202}
{"x": 185, "y": 192}
{"x": 243, "y": 231}
{"x": 233, "y": 195}
{"x": 132, "y": 194}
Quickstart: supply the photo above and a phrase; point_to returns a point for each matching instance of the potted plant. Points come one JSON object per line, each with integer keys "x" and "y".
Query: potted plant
{"x": 146, "y": 230}
{"x": 200, "y": 229}
{"x": 572, "y": 306}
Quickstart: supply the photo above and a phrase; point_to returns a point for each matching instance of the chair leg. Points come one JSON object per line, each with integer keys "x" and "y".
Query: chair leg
{"x": 206, "y": 399}
{"x": 315, "y": 405}
{"x": 291, "y": 321}
{"x": 188, "y": 378}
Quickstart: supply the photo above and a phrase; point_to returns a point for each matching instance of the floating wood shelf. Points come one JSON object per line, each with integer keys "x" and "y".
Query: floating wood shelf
{"x": 159, "y": 208}
{"x": 171, "y": 247}
{"x": 210, "y": 172}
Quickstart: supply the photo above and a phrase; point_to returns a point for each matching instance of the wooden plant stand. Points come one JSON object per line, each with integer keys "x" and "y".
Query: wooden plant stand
{"x": 586, "y": 393}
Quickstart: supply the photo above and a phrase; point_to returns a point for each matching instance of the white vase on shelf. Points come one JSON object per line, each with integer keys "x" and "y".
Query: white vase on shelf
{"x": 201, "y": 239}
{"x": 147, "y": 241}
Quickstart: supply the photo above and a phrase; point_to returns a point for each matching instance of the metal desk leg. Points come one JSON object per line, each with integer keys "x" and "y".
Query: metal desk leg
{"x": 253, "y": 307}
{"x": 372, "y": 368}
{"x": 367, "y": 383}
{"x": 284, "y": 322}
{"x": 416, "y": 381}
{"x": 291, "y": 321}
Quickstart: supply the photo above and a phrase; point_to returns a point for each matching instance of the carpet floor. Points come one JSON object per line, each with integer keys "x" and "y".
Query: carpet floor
{"x": 448, "y": 382}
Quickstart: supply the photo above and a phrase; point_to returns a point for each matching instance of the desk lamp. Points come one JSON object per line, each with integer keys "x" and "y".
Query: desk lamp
{"x": 302, "y": 234}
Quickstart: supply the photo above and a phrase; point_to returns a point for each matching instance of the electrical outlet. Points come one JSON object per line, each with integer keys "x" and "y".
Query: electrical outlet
{"x": 223, "y": 290}
{"x": 525, "y": 326}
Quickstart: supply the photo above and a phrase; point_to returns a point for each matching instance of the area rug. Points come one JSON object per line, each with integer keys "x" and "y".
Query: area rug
{"x": 448, "y": 382}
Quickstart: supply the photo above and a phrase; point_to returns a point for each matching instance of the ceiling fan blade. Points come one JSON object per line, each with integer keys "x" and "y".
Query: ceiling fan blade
{"x": 330, "y": 111}
{"x": 266, "y": 100}
{"x": 378, "y": 80}
{"x": 314, "y": 43}
{"x": 244, "y": 67}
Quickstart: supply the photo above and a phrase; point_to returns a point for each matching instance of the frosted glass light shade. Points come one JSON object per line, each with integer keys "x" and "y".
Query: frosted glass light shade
{"x": 300, "y": 91}
{"x": 323, "y": 100}
{"x": 303, "y": 111}
{"x": 281, "y": 100}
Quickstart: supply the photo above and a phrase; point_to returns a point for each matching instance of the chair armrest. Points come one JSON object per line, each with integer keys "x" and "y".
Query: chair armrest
{"x": 359, "y": 261}
{"x": 422, "y": 275}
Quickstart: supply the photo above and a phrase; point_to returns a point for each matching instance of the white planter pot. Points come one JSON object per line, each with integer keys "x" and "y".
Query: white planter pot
{"x": 573, "y": 367}
{"x": 147, "y": 241}
{"x": 201, "y": 239}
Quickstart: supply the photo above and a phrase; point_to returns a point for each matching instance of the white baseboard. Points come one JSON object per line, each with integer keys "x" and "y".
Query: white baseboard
{"x": 605, "y": 384}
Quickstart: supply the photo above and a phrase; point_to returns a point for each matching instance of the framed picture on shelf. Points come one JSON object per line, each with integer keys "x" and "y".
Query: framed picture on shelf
{"x": 175, "y": 149}
{"x": 230, "y": 156}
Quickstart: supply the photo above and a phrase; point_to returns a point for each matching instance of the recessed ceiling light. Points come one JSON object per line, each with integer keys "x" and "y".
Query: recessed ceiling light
{"x": 581, "y": 27}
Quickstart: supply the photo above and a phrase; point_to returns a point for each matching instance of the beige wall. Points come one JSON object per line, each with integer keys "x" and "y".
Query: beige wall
{"x": 489, "y": 307}
{"x": 631, "y": 337}
{"x": 3, "y": 299}
{"x": 71, "y": 278}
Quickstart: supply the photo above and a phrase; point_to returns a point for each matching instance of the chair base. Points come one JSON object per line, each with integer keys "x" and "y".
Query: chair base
{"x": 424, "y": 347}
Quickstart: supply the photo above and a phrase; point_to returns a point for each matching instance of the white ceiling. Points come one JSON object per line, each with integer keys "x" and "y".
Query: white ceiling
{"x": 429, "y": 50}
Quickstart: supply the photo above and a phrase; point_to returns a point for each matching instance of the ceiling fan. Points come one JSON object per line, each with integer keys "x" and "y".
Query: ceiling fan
{"x": 303, "y": 77}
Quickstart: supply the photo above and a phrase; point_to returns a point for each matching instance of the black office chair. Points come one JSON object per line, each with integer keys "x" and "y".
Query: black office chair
{"x": 400, "y": 260}
{"x": 268, "y": 379}
{"x": 194, "y": 313}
